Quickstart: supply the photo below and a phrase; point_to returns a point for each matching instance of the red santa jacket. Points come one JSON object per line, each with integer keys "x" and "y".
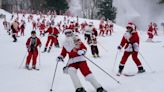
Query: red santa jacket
{"x": 72, "y": 50}
{"x": 33, "y": 43}
{"x": 52, "y": 31}
{"x": 42, "y": 26}
{"x": 151, "y": 30}
{"x": 101, "y": 26}
{"x": 72, "y": 26}
{"x": 130, "y": 41}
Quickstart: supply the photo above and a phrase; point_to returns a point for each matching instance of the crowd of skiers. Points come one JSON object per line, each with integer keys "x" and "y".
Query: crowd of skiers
{"x": 73, "y": 45}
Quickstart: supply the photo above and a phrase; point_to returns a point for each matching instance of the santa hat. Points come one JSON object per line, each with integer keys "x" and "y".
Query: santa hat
{"x": 131, "y": 25}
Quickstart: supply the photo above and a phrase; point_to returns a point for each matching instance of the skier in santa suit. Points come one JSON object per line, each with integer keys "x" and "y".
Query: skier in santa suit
{"x": 42, "y": 28}
{"x": 88, "y": 32}
{"x": 150, "y": 32}
{"x": 75, "y": 50}
{"x": 130, "y": 42}
{"x": 32, "y": 43}
{"x": 15, "y": 29}
{"x": 93, "y": 45}
{"x": 52, "y": 37}
{"x": 72, "y": 26}
{"x": 22, "y": 27}
{"x": 77, "y": 27}
{"x": 102, "y": 28}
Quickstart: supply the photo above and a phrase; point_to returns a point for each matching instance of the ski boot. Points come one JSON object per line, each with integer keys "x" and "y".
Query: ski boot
{"x": 49, "y": 49}
{"x": 57, "y": 45}
{"x": 45, "y": 49}
{"x": 101, "y": 89}
{"x": 141, "y": 70}
{"x": 27, "y": 67}
{"x": 80, "y": 89}
{"x": 98, "y": 55}
{"x": 94, "y": 55}
{"x": 121, "y": 67}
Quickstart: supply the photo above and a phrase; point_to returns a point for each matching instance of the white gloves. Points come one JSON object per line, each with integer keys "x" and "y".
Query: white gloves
{"x": 81, "y": 52}
{"x": 136, "y": 47}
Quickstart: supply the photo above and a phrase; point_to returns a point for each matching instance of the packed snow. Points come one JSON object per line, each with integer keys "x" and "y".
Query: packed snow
{"x": 14, "y": 78}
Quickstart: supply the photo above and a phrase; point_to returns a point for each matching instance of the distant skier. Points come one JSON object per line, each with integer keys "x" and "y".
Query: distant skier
{"x": 151, "y": 32}
{"x": 130, "y": 42}
{"x": 22, "y": 27}
{"x": 88, "y": 32}
{"x": 93, "y": 45}
{"x": 15, "y": 29}
{"x": 52, "y": 37}
{"x": 32, "y": 46}
{"x": 102, "y": 28}
{"x": 75, "y": 50}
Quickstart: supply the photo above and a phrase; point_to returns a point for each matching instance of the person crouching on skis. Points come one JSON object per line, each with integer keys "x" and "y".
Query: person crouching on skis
{"x": 32, "y": 43}
{"x": 75, "y": 50}
{"x": 130, "y": 42}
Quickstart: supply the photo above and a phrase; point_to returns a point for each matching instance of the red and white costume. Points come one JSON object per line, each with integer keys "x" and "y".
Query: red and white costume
{"x": 42, "y": 28}
{"x": 102, "y": 29}
{"x": 32, "y": 44}
{"x": 77, "y": 61}
{"x": 130, "y": 42}
{"x": 52, "y": 36}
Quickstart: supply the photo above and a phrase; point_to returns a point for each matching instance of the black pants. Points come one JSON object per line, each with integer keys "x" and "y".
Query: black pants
{"x": 94, "y": 50}
{"x": 14, "y": 37}
{"x": 87, "y": 37}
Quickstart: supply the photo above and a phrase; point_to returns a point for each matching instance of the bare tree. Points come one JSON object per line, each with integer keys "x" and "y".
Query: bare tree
{"x": 90, "y": 8}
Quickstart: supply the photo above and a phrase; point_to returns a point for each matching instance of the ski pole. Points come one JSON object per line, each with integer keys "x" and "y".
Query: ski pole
{"x": 103, "y": 70}
{"x": 146, "y": 61}
{"x": 39, "y": 58}
{"x": 23, "y": 60}
{"x": 115, "y": 60}
{"x": 54, "y": 76}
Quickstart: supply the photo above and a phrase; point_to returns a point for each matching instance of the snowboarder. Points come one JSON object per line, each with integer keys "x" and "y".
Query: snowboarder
{"x": 131, "y": 42}
{"x": 32, "y": 43}
{"x": 75, "y": 50}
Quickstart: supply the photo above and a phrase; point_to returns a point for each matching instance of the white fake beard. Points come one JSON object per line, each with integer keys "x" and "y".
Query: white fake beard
{"x": 69, "y": 44}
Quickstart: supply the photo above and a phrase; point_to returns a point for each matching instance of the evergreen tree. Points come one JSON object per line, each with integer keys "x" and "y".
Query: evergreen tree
{"x": 58, "y": 5}
{"x": 107, "y": 10}
{"x": 161, "y": 1}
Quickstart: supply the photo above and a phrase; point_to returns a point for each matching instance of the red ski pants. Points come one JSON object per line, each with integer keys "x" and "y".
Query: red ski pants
{"x": 134, "y": 57}
{"x": 52, "y": 40}
{"x": 33, "y": 56}
{"x": 82, "y": 66}
{"x": 101, "y": 32}
{"x": 150, "y": 35}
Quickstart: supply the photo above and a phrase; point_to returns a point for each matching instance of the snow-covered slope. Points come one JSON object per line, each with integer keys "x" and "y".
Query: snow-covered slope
{"x": 15, "y": 79}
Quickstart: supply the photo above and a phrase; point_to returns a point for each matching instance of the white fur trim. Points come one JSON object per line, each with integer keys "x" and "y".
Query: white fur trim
{"x": 136, "y": 47}
{"x": 76, "y": 59}
{"x": 129, "y": 48}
